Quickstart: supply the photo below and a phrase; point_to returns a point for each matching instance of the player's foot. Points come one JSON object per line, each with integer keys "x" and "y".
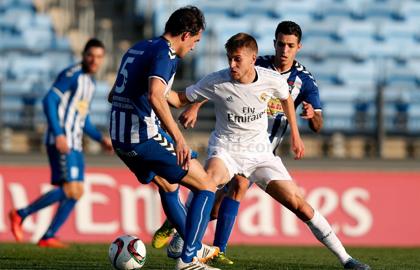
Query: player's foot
{"x": 52, "y": 243}
{"x": 174, "y": 248}
{"x": 162, "y": 235}
{"x": 221, "y": 258}
{"x": 16, "y": 225}
{"x": 355, "y": 264}
{"x": 206, "y": 253}
{"x": 194, "y": 265}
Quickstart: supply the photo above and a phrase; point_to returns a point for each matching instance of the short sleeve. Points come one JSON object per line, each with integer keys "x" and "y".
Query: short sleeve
{"x": 164, "y": 65}
{"x": 65, "y": 81}
{"x": 281, "y": 88}
{"x": 203, "y": 89}
{"x": 311, "y": 94}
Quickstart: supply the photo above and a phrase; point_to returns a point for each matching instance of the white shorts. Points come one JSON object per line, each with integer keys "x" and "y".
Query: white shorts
{"x": 260, "y": 169}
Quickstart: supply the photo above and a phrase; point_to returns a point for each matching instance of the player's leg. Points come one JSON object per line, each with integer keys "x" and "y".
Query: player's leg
{"x": 169, "y": 194}
{"x": 286, "y": 192}
{"x": 71, "y": 180}
{"x": 56, "y": 194}
{"x": 227, "y": 216}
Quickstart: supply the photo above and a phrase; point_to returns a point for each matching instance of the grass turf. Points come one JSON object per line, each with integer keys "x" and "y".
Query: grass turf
{"x": 95, "y": 256}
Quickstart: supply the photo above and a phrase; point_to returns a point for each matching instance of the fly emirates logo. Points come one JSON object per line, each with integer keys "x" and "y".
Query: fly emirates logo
{"x": 248, "y": 115}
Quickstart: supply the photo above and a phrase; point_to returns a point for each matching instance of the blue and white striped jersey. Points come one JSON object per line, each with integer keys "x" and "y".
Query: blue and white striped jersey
{"x": 132, "y": 117}
{"x": 302, "y": 87}
{"x": 66, "y": 106}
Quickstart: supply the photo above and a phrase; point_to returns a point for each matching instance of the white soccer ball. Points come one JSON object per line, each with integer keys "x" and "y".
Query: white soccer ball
{"x": 127, "y": 253}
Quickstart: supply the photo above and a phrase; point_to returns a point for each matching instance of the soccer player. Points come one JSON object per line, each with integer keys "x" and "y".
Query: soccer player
{"x": 140, "y": 112}
{"x": 237, "y": 146}
{"x": 66, "y": 106}
{"x": 304, "y": 90}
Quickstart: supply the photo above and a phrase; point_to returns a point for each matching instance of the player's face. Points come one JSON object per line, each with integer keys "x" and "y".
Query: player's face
{"x": 241, "y": 64}
{"x": 188, "y": 43}
{"x": 287, "y": 46}
{"x": 93, "y": 59}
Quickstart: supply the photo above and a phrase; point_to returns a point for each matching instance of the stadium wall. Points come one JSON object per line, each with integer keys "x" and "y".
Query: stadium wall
{"x": 366, "y": 208}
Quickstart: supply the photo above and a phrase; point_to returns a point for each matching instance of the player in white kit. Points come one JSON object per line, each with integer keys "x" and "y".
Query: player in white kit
{"x": 240, "y": 145}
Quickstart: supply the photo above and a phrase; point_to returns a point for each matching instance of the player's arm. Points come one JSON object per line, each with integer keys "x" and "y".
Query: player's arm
{"x": 177, "y": 99}
{"x": 91, "y": 130}
{"x": 188, "y": 117}
{"x": 50, "y": 105}
{"x": 161, "y": 108}
{"x": 289, "y": 110}
{"x": 314, "y": 117}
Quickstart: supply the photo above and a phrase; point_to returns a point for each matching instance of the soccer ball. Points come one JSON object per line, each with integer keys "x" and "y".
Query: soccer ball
{"x": 127, "y": 253}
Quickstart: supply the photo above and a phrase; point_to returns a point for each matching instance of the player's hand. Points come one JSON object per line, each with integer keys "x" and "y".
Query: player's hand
{"x": 61, "y": 144}
{"x": 307, "y": 111}
{"x": 298, "y": 147}
{"x": 183, "y": 154}
{"x": 188, "y": 117}
{"x": 107, "y": 144}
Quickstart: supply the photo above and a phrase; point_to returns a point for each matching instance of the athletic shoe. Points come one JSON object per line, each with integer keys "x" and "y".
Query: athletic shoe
{"x": 206, "y": 253}
{"x": 355, "y": 264}
{"x": 221, "y": 258}
{"x": 162, "y": 235}
{"x": 52, "y": 243}
{"x": 194, "y": 265}
{"x": 174, "y": 248}
{"x": 16, "y": 225}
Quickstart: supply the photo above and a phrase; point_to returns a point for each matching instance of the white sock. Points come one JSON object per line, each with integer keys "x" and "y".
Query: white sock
{"x": 325, "y": 234}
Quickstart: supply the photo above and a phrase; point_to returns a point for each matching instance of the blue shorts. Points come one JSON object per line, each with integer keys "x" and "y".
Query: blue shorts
{"x": 65, "y": 167}
{"x": 155, "y": 156}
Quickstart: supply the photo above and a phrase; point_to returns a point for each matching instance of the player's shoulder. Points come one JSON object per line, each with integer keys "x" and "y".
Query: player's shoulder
{"x": 218, "y": 77}
{"x": 303, "y": 73}
{"x": 162, "y": 47}
{"x": 71, "y": 72}
{"x": 265, "y": 61}
{"x": 268, "y": 73}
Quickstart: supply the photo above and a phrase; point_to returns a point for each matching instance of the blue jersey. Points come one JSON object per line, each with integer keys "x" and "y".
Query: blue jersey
{"x": 66, "y": 106}
{"x": 302, "y": 87}
{"x": 132, "y": 117}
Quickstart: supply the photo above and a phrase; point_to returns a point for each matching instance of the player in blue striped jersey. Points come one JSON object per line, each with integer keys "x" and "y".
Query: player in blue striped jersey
{"x": 66, "y": 107}
{"x": 147, "y": 139}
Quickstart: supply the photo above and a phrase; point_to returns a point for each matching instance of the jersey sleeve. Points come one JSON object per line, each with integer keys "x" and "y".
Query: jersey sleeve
{"x": 281, "y": 88}
{"x": 311, "y": 95}
{"x": 163, "y": 65}
{"x": 203, "y": 89}
{"x": 64, "y": 82}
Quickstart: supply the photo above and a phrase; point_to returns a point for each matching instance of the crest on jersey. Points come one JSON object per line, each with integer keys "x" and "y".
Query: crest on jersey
{"x": 264, "y": 97}
{"x": 82, "y": 107}
{"x": 274, "y": 107}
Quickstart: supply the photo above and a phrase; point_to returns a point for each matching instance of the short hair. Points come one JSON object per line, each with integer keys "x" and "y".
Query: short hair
{"x": 186, "y": 19}
{"x": 93, "y": 42}
{"x": 241, "y": 40}
{"x": 289, "y": 28}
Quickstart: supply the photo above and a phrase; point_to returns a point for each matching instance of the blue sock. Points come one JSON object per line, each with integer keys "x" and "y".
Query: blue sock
{"x": 225, "y": 221}
{"x": 44, "y": 200}
{"x": 196, "y": 225}
{"x": 174, "y": 210}
{"x": 63, "y": 212}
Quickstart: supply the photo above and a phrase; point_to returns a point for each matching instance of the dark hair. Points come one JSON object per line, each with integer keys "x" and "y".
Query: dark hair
{"x": 241, "y": 40}
{"x": 93, "y": 42}
{"x": 186, "y": 19}
{"x": 289, "y": 28}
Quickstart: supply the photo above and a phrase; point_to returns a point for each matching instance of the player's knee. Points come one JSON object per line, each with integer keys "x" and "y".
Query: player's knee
{"x": 239, "y": 188}
{"x": 73, "y": 190}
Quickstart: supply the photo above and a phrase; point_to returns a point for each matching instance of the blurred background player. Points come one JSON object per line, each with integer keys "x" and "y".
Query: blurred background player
{"x": 66, "y": 107}
{"x": 140, "y": 111}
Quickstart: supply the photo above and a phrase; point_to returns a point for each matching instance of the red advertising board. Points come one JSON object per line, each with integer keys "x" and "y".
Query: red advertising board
{"x": 364, "y": 208}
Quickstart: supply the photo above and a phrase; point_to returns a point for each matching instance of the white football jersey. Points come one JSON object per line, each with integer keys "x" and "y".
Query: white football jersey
{"x": 241, "y": 109}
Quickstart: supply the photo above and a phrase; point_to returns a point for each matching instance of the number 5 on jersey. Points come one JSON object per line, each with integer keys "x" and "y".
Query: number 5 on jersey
{"x": 120, "y": 88}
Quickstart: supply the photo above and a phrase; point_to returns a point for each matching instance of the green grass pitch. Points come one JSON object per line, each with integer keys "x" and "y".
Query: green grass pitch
{"x": 95, "y": 256}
